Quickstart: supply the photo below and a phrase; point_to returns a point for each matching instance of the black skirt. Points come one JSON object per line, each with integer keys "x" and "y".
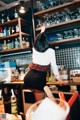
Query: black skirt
{"x": 35, "y": 80}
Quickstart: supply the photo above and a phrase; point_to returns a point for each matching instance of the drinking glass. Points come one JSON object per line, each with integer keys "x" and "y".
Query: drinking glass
{"x": 75, "y": 32}
{"x": 38, "y": 108}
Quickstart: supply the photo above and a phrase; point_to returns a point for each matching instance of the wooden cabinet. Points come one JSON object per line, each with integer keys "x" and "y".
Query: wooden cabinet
{"x": 73, "y": 23}
{"x": 20, "y": 23}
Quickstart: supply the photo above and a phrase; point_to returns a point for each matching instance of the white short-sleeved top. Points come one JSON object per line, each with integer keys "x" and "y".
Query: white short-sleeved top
{"x": 46, "y": 58}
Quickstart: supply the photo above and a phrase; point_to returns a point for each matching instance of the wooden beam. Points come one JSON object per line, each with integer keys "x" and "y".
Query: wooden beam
{"x": 8, "y": 6}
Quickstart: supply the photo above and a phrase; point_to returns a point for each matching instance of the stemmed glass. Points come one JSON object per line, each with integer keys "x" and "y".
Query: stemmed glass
{"x": 47, "y": 18}
{"x": 67, "y": 14}
{"x": 50, "y": 3}
{"x": 65, "y": 34}
{"x": 70, "y": 34}
{"x": 78, "y": 14}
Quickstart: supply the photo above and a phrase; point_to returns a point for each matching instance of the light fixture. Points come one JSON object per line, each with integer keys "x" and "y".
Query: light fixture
{"x": 22, "y": 8}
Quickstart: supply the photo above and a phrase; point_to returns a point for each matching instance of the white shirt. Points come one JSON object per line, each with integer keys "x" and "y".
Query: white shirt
{"x": 46, "y": 58}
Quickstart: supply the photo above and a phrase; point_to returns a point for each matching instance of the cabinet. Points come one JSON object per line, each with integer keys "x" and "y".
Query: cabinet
{"x": 59, "y": 27}
{"x": 19, "y": 24}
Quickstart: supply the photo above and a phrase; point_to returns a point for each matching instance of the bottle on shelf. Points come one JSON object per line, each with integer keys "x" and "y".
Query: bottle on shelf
{"x": 4, "y": 45}
{"x": 15, "y": 13}
{"x": 8, "y": 19}
{"x": 1, "y": 32}
{"x": 14, "y": 109}
{"x": 2, "y": 108}
{"x": 9, "y": 31}
{"x": 23, "y": 42}
{"x": 8, "y": 45}
{"x": 17, "y": 28}
{"x": 16, "y": 43}
{"x": 12, "y": 44}
{"x": 12, "y": 30}
{"x": 4, "y": 31}
{"x": 2, "y": 19}
{"x": 27, "y": 43}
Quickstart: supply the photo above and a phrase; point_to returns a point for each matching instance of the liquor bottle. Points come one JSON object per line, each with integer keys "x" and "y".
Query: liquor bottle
{"x": 15, "y": 14}
{"x": 14, "y": 109}
{"x": 23, "y": 42}
{"x": 4, "y": 31}
{"x": 4, "y": 45}
{"x": 12, "y": 30}
{"x": 8, "y": 45}
{"x": 2, "y": 109}
{"x": 17, "y": 28}
{"x": 27, "y": 43}
{"x": 8, "y": 19}
{"x": 9, "y": 31}
{"x": 2, "y": 19}
{"x": 16, "y": 43}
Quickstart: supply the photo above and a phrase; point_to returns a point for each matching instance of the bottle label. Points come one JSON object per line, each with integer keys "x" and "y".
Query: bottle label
{"x": 14, "y": 108}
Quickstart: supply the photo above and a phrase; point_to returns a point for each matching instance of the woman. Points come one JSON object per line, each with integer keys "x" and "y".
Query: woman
{"x": 43, "y": 57}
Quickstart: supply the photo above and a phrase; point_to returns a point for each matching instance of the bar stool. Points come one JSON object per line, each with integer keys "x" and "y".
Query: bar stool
{"x": 28, "y": 99}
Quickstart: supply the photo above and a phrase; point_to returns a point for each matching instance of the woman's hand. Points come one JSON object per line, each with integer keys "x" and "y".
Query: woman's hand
{"x": 61, "y": 82}
{"x": 42, "y": 29}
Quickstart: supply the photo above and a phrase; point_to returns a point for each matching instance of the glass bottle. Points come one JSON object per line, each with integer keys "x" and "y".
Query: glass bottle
{"x": 4, "y": 45}
{"x": 8, "y": 45}
{"x": 17, "y": 28}
{"x": 2, "y": 19}
{"x": 27, "y": 43}
{"x": 14, "y": 109}
{"x": 15, "y": 14}
{"x": 8, "y": 19}
{"x": 23, "y": 42}
{"x": 16, "y": 43}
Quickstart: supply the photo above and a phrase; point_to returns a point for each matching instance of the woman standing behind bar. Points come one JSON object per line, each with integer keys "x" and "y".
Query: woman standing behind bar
{"x": 43, "y": 57}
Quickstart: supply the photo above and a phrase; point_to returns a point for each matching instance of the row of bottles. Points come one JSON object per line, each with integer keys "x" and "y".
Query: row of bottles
{"x": 71, "y": 33}
{"x": 6, "y": 17}
{"x": 5, "y": 31}
{"x": 13, "y": 103}
{"x": 10, "y": 44}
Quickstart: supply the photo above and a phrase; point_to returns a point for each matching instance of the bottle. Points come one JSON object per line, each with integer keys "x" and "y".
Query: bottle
{"x": 2, "y": 19}
{"x": 14, "y": 109}
{"x": 8, "y": 45}
{"x": 15, "y": 14}
{"x": 23, "y": 42}
{"x": 2, "y": 109}
{"x": 17, "y": 28}
{"x": 16, "y": 43}
{"x": 8, "y": 19}
{"x": 4, "y": 45}
{"x": 27, "y": 43}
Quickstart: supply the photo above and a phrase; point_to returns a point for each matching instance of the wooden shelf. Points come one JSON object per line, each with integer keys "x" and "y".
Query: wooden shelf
{"x": 14, "y": 35}
{"x": 70, "y": 40}
{"x": 13, "y": 22}
{"x": 70, "y": 4}
{"x": 15, "y": 50}
{"x": 63, "y": 24}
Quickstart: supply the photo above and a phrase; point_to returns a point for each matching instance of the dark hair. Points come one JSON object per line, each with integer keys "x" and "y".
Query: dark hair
{"x": 41, "y": 43}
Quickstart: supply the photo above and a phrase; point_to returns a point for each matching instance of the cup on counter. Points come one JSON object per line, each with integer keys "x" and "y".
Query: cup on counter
{"x": 47, "y": 109}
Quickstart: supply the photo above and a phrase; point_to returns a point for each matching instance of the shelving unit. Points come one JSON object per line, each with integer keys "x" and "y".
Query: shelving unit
{"x": 19, "y": 34}
{"x": 62, "y": 25}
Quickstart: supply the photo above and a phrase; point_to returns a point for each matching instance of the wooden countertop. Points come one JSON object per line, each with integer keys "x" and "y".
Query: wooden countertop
{"x": 57, "y": 83}
{"x": 47, "y": 83}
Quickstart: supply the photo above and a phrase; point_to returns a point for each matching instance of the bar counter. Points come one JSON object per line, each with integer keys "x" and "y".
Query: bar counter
{"x": 47, "y": 83}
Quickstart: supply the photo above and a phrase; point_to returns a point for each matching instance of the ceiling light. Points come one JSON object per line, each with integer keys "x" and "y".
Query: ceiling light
{"x": 22, "y": 8}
